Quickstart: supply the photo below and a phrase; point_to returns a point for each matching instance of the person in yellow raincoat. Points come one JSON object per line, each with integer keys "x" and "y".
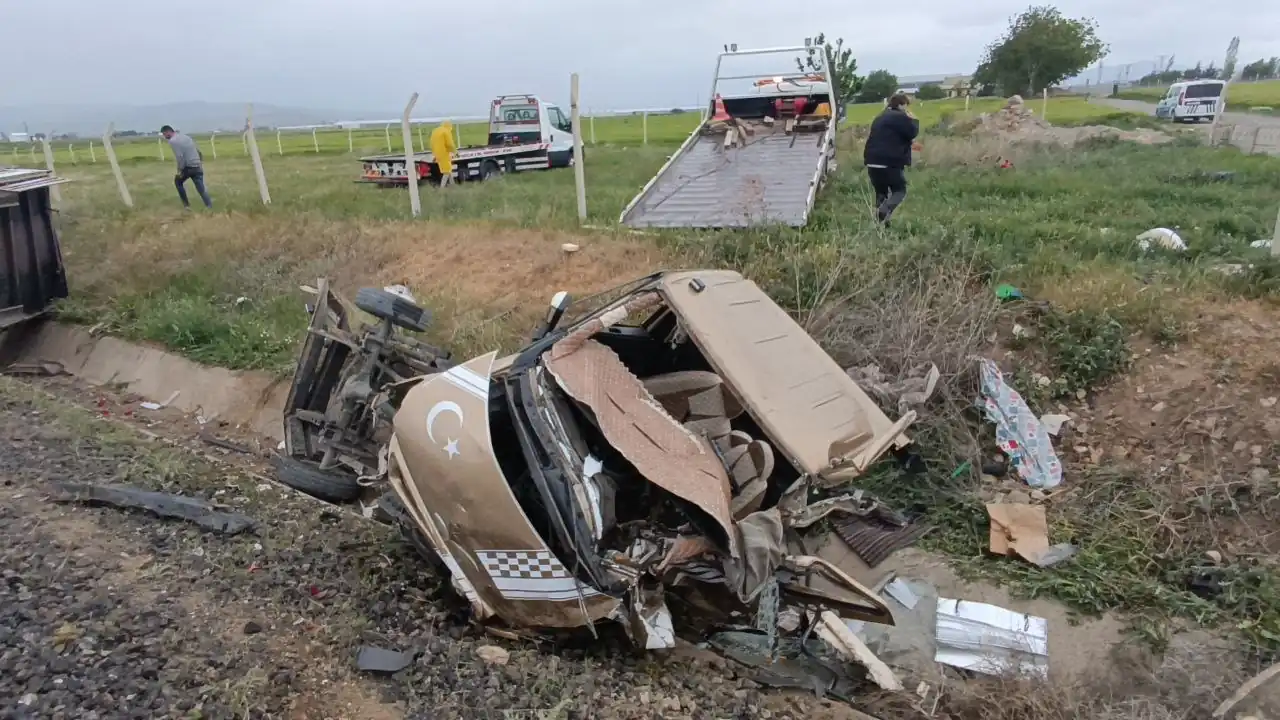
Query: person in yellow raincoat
{"x": 442, "y": 149}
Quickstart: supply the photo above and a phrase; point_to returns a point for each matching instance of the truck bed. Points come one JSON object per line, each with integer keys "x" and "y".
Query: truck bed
{"x": 473, "y": 152}
{"x": 771, "y": 179}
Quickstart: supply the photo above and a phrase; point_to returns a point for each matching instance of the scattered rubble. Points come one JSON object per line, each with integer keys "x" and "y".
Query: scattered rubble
{"x": 1016, "y": 122}
{"x": 382, "y": 661}
{"x": 1019, "y": 528}
{"x": 168, "y": 505}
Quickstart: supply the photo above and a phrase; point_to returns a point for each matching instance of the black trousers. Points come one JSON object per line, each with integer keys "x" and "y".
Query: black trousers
{"x": 890, "y": 185}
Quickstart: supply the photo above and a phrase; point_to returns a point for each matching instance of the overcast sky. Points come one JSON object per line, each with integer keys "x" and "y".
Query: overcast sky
{"x": 370, "y": 55}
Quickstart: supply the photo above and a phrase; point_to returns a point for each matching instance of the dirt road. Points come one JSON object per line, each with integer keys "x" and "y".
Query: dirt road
{"x": 1250, "y": 132}
{"x": 109, "y": 614}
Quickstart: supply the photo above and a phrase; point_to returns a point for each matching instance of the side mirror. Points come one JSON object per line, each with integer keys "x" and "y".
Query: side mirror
{"x": 559, "y": 303}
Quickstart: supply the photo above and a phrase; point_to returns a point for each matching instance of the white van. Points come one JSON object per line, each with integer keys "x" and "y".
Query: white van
{"x": 1191, "y": 101}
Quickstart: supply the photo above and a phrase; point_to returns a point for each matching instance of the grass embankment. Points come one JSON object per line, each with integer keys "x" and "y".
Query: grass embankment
{"x": 1060, "y": 225}
{"x": 1240, "y": 96}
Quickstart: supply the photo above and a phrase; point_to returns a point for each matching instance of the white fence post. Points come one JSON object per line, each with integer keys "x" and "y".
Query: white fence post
{"x": 244, "y": 142}
{"x": 421, "y": 147}
{"x": 457, "y": 135}
{"x": 1044, "y": 105}
{"x": 115, "y": 165}
{"x": 387, "y": 130}
{"x": 33, "y": 152}
{"x": 351, "y": 147}
{"x": 579, "y": 177}
{"x": 71, "y": 148}
{"x": 54, "y": 194}
{"x": 593, "y": 128}
{"x": 966, "y": 102}
{"x": 410, "y": 167}
{"x": 93, "y": 156}
{"x": 257, "y": 158}
{"x": 1275, "y": 238}
{"x": 160, "y": 147}
{"x": 644, "y": 124}
{"x": 315, "y": 142}
{"x": 213, "y": 145}
{"x": 279, "y": 145}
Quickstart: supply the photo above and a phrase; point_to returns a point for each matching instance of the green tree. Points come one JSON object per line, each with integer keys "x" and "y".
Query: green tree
{"x": 1041, "y": 48}
{"x": 878, "y": 86}
{"x": 931, "y": 91}
{"x": 1261, "y": 69}
{"x": 844, "y": 68}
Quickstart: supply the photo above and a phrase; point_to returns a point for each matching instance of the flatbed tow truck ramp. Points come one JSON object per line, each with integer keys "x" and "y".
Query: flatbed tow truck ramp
{"x": 759, "y": 157}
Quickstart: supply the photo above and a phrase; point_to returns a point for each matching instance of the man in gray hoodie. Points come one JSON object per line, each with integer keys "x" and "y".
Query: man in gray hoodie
{"x": 190, "y": 165}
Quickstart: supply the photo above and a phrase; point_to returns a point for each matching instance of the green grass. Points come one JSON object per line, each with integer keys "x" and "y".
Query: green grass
{"x": 1240, "y": 96}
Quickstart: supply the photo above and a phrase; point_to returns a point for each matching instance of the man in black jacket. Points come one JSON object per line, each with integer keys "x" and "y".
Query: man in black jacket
{"x": 888, "y": 153}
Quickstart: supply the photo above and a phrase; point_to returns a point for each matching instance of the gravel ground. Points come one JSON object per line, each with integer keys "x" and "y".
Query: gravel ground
{"x": 112, "y": 614}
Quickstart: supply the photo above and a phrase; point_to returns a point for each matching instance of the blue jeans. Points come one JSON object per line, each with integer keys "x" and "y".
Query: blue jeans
{"x": 196, "y": 175}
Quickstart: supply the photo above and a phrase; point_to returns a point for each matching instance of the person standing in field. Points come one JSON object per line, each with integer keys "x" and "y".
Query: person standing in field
{"x": 190, "y": 165}
{"x": 442, "y": 149}
{"x": 887, "y": 155}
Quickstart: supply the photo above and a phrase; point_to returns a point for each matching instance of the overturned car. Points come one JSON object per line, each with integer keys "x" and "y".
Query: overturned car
{"x": 665, "y": 440}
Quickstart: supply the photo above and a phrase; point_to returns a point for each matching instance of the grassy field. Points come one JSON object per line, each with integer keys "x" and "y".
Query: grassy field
{"x": 1060, "y": 225}
{"x": 614, "y": 130}
{"x": 663, "y": 130}
{"x": 1241, "y": 96}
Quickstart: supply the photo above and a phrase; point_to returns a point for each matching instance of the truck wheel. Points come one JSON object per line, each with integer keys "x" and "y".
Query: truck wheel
{"x": 334, "y": 486}
{"x": 490, "y": 170}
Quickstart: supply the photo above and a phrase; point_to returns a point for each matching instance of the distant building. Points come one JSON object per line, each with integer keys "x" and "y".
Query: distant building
{"x": 957, "y": 85}
{"x": 19, "y": 137}
{"x": 952, "y": 85}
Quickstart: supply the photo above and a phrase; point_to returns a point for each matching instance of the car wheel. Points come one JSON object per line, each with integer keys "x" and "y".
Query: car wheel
{"x": 334, "y": 486}
{"x": 490, "y": 170}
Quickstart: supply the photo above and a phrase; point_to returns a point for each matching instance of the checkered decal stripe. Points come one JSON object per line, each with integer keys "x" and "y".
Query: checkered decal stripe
{"x": 531, "y": 575}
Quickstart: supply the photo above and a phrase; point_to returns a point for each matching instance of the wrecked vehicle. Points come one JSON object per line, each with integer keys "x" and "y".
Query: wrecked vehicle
{"x": 664, "y": 441}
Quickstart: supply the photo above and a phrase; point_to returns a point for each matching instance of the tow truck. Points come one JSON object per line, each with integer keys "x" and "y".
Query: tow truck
{"x": 525, "y": 133}
{"x": 759, "y": 157}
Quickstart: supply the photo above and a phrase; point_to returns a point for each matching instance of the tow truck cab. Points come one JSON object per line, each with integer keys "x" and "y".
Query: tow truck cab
{"x": 525, "y": 119}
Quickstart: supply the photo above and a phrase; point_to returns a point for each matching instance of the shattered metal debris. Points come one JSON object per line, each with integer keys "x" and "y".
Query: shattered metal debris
{"x": 46, "y": 368}
{"x": 190, "y": 509}
{"x": 208, "y": 437}
{"x": 873, "y": 540}
{"x": 991, "y": 640}
{"x": 380, "y": 660}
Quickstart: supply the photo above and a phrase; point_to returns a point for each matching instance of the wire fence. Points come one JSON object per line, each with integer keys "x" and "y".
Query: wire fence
{"x": 623, "y": 127}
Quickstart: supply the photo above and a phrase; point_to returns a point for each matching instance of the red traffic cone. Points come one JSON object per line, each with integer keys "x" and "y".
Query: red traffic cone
{"x": 719, "y": 114}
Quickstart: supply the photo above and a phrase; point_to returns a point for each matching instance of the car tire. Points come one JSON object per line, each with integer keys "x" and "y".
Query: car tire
{"x": 490, "y": 170}
{"x": 335, "y": 486}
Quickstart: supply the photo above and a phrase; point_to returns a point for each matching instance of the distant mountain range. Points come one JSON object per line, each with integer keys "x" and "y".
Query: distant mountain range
{"x": 185, "y": 116}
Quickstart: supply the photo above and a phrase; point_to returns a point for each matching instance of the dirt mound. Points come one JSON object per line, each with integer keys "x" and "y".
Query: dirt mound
{"x": 1016, "y": 122}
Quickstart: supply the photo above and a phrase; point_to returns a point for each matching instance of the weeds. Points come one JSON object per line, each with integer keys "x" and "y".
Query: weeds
{"x": 1087, "y": 348}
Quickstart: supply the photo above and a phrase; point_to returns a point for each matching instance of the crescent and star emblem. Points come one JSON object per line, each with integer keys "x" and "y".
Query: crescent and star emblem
{"x": 444, "y": 406}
